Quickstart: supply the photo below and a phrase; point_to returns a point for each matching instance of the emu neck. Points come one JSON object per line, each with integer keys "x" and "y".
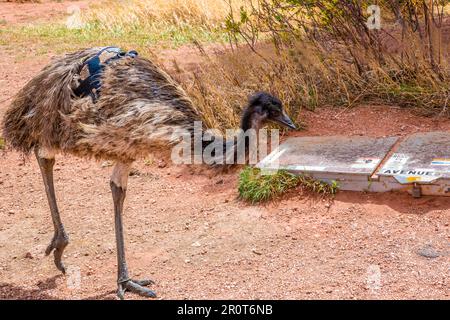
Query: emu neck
{"x": 247, "y": 122}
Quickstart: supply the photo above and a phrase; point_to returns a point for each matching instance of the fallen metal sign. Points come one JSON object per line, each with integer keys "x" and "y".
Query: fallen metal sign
{"x": 420, "y": 164}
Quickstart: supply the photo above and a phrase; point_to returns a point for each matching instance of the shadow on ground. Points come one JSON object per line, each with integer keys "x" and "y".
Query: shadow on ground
{"x": 12, "y": 292}
{"x": 401, "y": 202}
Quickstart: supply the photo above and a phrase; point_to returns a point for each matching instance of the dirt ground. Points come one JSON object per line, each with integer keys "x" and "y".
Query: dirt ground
{"x": 45, "y": 10}
{"x": 186, "y": 229}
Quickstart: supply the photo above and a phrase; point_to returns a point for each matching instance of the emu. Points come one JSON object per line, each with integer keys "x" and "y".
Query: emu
{"x": 133, "y": 113}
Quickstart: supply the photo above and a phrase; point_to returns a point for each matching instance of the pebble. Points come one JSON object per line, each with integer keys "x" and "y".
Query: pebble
{"x": 162, "y": 164}
{"x": 256, "y": 251}
{"x": 107, "y": 164}
{"x": 134, "y": 173}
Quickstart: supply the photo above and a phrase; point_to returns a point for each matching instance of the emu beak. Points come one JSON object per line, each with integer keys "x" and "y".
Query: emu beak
{"x": 284, "y": 120}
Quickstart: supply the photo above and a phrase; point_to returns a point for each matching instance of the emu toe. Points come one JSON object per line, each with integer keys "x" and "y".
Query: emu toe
{"x": 136, "y": 286}
{"x": 58, "y": 244}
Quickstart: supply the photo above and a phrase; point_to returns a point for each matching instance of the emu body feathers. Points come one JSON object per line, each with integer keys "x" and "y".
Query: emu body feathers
{"x": 139, "y": 109}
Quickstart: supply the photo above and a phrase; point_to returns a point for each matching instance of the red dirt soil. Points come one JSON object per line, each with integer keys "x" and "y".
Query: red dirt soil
{"x": 22, "y": 13}
{"x": 187, "y": 231}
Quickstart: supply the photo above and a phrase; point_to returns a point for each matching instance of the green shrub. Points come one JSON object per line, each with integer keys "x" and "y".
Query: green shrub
{"x": 257, "y": 187}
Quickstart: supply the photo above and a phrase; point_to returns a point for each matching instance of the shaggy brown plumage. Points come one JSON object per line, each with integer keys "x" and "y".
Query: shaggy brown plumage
{"x": 139, "y": 108}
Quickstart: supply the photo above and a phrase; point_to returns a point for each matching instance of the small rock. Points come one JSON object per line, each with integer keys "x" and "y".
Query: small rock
{"x": 134, "y": 172}
{"x": 220, "y": 181}
{"x": 11, "y": 212}
{"x": 196, "y": 244}
{"x": 164, "y": 259}
{"x": 187, "y": 261}
{"x": 107, "y": 164}
{"x": 162, "y": 164}
{"x": 428, "y": 252}
{"x": 28, "y": 255}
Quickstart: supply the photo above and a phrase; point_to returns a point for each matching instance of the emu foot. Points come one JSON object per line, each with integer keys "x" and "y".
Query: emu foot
{"x": 136, "y": 286}
{"x": 57, "y": 245}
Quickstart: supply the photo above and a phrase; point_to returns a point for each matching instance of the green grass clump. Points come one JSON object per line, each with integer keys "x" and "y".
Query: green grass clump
{"x": 256, "y": 187}
{"x": 57, "y": 37}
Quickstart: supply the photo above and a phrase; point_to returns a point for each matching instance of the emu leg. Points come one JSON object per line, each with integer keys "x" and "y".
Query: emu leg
{"x": 60, "y": 238}
{"x": 118, "y": 188}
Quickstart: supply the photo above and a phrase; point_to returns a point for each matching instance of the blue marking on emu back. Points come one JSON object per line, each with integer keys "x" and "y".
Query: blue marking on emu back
{"x": 91, "y": 86}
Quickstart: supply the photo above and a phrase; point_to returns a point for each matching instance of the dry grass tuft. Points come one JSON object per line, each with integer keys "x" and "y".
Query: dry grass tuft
{"x": 409, "y": 68}
{"x": 146, "y": 14}
{"x": 136, "y": 24}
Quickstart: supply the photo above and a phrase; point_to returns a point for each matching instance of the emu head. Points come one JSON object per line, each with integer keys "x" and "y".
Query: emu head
{"x": 262, "y": 108}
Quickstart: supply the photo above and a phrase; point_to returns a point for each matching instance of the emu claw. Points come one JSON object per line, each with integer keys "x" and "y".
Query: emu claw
{"x": 135, "y": 286}
{"x": 57, "y": 245}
